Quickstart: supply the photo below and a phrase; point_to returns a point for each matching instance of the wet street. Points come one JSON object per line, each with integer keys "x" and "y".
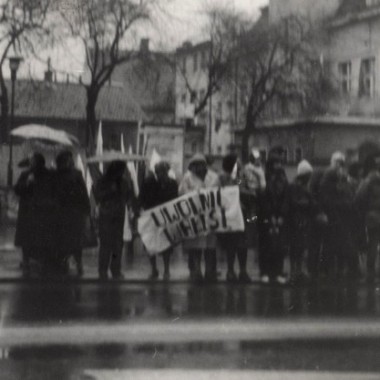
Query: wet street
{"x": 116, "y": 331}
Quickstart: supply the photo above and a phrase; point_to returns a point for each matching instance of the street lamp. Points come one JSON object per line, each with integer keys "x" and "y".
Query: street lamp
{"x": 14, "y": 63}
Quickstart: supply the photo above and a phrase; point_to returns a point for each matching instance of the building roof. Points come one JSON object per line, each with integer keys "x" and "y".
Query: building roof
{"x": 322, "y": 120}
{"x": 187, "y": 47}
{"x": 68, "y": 101}
{"x": 151, "y": 79}
{"x": 351, "y": 6}
{"x": 354, "y": 10}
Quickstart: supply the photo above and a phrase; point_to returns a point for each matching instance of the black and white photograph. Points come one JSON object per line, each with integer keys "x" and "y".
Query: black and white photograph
{"x": 189, "y": 189}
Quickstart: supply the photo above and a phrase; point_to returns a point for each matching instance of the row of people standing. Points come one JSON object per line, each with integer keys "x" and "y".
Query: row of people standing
{"x": 321, "y": 219}
{"x": 53, "y": 208}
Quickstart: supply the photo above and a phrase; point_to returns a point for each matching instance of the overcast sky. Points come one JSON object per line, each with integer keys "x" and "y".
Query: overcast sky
{"x": 181, "y": 20}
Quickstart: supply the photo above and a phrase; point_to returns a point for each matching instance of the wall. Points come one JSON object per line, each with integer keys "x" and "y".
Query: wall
{"x": 355, "y": 42}
{"x": 222, "y": 137}
{"x": 312, "y": 9}
{"x": 169, "y": 144}
{"x": 317, "y": 141}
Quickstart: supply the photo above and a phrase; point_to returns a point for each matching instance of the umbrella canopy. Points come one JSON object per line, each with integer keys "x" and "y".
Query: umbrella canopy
{"x": 45, "y": 133}
{"x": 114, "y": 156}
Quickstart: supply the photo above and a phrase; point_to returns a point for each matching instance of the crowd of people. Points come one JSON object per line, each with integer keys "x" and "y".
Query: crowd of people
{"x": 326, "y": 221}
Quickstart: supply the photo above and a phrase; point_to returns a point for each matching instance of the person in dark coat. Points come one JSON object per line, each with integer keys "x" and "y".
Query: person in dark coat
{"x": 302, "y": 211}
{"x": 338, "y": 201}
{"x": 38, "y": 224}
{"x": 156, "y": 190}
{"x": 112, "y": 191}
{"x": 368, "y": 203}
{"x": 317, "y": 262}
{"x": 73, "y": 209}
{"x": 235, "y": 244}
{"x": 24, "y": 194}
{"x": 273, "y": 213}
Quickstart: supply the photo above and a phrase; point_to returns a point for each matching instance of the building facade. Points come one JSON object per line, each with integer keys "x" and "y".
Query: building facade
{"x": 351, "y": 56}
{"x": 215, "y": 122}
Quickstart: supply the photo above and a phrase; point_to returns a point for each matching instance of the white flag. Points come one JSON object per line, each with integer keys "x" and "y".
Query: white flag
{"x": 132, "y": 171}
{"x": 85, "y": 173}
{"x": 99, "y": 144}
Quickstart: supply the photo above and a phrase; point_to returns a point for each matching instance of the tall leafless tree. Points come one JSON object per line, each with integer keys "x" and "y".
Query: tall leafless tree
{"x": 221, "y": 32}
{"x": 22, "y": 27}
{"x": 106, "y": 29}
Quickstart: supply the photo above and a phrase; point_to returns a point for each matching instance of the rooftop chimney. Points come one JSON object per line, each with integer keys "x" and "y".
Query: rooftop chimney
{"x": 144, "y": 45}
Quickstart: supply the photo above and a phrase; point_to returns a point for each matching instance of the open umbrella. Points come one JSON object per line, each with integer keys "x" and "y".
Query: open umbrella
{"x": 110, "y": 156}
{"x": 44, "y": 133}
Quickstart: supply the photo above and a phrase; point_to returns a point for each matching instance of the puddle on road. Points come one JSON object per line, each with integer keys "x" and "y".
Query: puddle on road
{"x": 118, "y": 303}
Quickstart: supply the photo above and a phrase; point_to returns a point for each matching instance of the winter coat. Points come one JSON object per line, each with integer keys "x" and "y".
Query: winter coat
{"x": 273, "y": 218}
{"x": 368, "y": 200}
{"x": 253, "y": 178}
{"x": 191, "y": 182}
{"x": 73, "y": 208}
{"x": 337, "y": 198}
{"x": 37, "y": 227}
{"x": 112, "y": 197}
{"x": 238, "y": 239}
{"x": 24, "y": 193}
{"x": 154, "y": 193}
{"x": 302, "y": 211}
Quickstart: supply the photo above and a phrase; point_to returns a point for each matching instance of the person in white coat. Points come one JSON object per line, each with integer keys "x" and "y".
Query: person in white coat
{"x": 199, "y": 176}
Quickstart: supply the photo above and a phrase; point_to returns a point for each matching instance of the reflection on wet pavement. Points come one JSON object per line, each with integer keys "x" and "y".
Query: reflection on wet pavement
{"x": 55, "y": 302}
{"x": 301, "y": 355}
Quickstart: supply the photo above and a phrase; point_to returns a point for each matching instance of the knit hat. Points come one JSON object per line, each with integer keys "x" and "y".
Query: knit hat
{"x": 337, "y": 157}
{"x": 255, "y": 153}
{"x": 198, "y": 157}
{"x": 304, "y": 168}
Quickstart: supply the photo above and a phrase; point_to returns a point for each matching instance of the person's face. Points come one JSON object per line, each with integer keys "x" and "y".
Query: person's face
{"x": 200, "y": 169}
{"x": 162, "y": 174}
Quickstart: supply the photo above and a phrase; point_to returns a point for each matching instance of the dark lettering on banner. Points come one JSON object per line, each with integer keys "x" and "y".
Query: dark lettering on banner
{"x": 191, "y": 217}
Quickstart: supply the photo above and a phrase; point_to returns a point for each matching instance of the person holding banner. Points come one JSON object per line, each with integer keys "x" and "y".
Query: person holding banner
{"x": 199, "y": 177}
{"x": 156, "y": 190}
{"x": 112, "y": 192}
{"x": 234, "y": 243}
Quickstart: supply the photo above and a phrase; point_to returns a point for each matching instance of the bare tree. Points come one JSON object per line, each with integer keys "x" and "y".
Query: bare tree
{"x": 222, "y": 33}
{"x": 22, "y": 26}
{"x": 279, "y": 62}
{"x": 106, "y": 30}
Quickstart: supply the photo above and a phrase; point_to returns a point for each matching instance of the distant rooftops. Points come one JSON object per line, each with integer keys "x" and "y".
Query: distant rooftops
{"x": 68, "y": 101}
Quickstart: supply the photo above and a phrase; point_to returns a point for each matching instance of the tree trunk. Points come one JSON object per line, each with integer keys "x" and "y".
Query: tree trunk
{"x": 4, "y": 105}
{"x": 91, "y": 124}
{"x": 249, "y": 126}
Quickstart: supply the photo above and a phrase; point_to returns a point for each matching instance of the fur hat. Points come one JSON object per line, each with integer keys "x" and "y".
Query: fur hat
{"x": 336, "y": 158}
{"x": 304, "y": 168}
{"x": 198, "y": 157}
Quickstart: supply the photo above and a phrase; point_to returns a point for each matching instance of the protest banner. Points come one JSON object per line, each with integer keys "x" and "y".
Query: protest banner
{"x": 195, "y": 214}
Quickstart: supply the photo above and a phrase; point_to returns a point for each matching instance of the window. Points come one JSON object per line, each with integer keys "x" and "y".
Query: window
{"x": 371, "y": 3}
{"x": 367, "y": 77}
{"x": 344, "y": 69}
{"x": 195, "y": 62}
{"x": 194, "y": 147}
{"x": 298, "y": 155}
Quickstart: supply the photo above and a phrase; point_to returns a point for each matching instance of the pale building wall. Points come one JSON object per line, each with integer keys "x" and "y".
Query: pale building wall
{"x": 312, "y": 9}
{"x": 354, "y": 43}
{"x": 198, "y": 80}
